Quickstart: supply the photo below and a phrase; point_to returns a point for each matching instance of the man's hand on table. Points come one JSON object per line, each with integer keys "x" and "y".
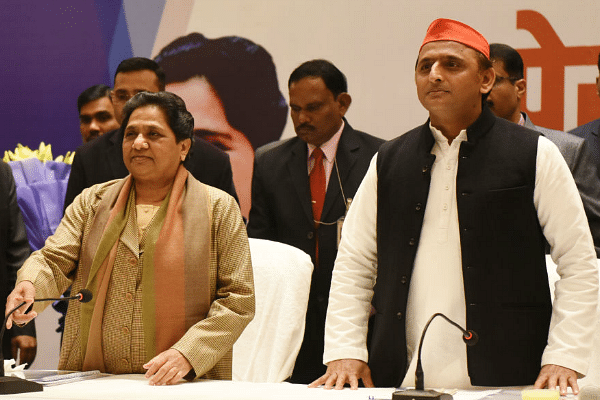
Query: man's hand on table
{"x": 167, "y": 368}
{"x": 552, "y": 376}
{"x": 340, "y": 372}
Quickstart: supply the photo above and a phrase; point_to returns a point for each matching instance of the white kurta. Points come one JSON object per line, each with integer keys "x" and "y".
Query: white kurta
{"x": 437, "y": 282}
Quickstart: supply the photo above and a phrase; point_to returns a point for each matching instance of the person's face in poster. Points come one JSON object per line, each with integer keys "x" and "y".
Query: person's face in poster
{"x": 210, "y": 124}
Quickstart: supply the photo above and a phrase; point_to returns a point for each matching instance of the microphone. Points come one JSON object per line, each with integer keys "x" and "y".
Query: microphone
{"x": 419, "y": 393}
{"x": 84, "y": 296}
{"x": 14, "y": 385}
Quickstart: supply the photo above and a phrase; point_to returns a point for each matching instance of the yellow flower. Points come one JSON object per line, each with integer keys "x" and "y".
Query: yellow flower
{"x": 43, "y": 153}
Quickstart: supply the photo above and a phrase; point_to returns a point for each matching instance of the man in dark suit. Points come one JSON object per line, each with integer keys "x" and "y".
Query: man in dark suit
{"x": 591, "y": 130}
{"x": 101, "y": 160}
{"x": 300, "y": 198}
{"x": 14, "y": 250}
{"x": 505, "y": 101}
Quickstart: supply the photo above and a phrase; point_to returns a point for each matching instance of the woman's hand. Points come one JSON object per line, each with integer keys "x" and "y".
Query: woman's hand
{"x": 167, "y": 368}
{"x": 23, "y": 292}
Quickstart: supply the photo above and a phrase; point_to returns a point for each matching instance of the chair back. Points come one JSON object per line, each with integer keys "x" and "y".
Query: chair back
{"x": 267, "y": 349}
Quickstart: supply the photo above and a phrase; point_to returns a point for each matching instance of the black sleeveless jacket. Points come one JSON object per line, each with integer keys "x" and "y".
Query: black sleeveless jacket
{"x": 502, "y": 245}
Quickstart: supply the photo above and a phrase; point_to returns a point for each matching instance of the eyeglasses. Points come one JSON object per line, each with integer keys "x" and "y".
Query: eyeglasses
{"x": 500, "y": 79}
{"x": 122, "y": 96}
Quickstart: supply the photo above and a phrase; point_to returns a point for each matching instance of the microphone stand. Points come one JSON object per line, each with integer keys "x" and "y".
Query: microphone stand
{"x": 419, "y": 393}
{"x": 12, "y": 384}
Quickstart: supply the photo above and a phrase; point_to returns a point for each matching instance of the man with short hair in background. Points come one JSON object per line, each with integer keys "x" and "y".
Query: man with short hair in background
{"x": 302, "y": 186}
{"x": 505, "y": 101}
{"x": 591, "y": 130}
{"x": 96, "y": 114}
{"x": 452, "y": 217}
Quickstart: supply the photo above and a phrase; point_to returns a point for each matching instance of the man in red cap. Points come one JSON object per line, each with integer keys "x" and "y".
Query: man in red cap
{"x": 453, "y": 217}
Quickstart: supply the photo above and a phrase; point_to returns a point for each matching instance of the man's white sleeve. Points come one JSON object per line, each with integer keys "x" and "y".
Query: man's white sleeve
{"x": 563, "y": 220}
{"x": 353, "y": 277}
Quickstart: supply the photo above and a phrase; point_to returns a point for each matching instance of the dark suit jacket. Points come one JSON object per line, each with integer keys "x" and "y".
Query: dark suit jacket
{"x": 14, "y": 248}
{"x": 281, "y": 211}
{"x": 577, "y": 154}
{"x": 591, "y": 133}
{"x": 101, "y": 160}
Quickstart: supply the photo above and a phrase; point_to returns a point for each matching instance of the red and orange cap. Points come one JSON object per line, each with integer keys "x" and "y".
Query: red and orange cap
{"x": 455, "y": 31}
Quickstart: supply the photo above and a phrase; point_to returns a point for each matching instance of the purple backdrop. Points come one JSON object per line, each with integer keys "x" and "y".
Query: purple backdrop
{"x": 52, "y": 51}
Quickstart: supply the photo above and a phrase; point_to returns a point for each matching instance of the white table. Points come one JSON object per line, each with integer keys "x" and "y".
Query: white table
{"x": 134, "y": 387}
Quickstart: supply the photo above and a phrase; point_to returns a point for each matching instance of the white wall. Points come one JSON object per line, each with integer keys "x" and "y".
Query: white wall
{"x": 375, "y": 43}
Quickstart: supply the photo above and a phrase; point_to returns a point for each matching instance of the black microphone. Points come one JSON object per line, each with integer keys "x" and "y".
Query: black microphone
{"x": 83, "y": 296}
{"x": 14, "y": 385}
{"x": 470, "y": 338}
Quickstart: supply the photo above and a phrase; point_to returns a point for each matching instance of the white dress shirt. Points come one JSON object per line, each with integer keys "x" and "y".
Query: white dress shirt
{"x": 329, "y": 149}
{"x": 437, "y": 282}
